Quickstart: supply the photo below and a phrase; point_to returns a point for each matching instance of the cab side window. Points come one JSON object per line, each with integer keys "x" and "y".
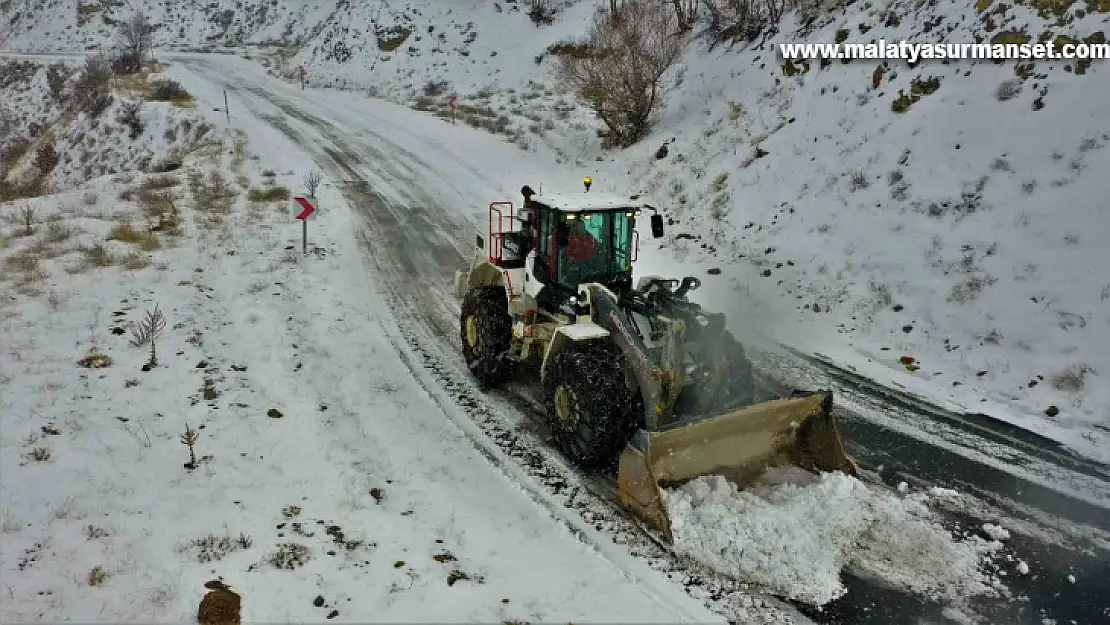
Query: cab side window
{"x": 543, "y": 218}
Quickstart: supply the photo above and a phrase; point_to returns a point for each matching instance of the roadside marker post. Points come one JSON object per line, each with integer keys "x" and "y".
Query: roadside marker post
{"x": 304, "y": 208}
{"x": 451, "y": 102}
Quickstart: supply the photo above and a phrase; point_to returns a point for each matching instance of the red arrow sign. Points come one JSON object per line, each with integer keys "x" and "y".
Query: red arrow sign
{"x": 306, "y": 207}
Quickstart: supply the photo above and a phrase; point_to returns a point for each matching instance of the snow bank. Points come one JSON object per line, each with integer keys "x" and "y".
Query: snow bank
{"x": 794, "y": 532}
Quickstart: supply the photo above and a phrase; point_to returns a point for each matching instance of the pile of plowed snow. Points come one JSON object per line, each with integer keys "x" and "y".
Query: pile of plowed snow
{"x": 793, "y": 532}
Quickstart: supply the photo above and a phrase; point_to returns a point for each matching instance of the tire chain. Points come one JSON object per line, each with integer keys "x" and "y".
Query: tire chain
{"x": 595, "y": 503}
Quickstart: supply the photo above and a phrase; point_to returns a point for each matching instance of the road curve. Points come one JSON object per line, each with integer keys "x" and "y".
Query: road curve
{"x": 1057, "y": 505}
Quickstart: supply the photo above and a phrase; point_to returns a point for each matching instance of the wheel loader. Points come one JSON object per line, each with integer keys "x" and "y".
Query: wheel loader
{"x": 636, "y": 374}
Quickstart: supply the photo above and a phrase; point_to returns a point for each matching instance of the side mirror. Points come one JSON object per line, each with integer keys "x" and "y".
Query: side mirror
{"x": 656, "y": 225}
{"x": 562, "y": 234}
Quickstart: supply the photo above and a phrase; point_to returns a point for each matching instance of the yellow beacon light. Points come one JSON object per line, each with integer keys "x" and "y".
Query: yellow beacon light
{"x": 587, "y": 181}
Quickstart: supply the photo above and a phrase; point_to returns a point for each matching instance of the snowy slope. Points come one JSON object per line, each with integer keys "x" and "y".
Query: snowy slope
{"x": 395, "y": 47}
{"x": 220, "y": 313}
{"x": 867, "y": 529}
{"x": 952, "y": 249}
{"x": 89, "y": 143}
{"x": 272, "y": 443}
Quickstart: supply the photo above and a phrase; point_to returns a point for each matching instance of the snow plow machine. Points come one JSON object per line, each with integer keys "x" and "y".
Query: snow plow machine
{"x": 637, "y": 375}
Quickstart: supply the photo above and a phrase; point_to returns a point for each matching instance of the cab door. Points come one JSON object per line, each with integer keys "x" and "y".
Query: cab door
{"x": 546, "y": 250}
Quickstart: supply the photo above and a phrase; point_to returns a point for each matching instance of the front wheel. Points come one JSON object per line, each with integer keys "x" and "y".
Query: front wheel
{"x": 588, "y": 404}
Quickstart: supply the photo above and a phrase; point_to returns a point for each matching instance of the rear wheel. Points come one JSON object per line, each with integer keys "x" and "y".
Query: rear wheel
{"x": 588, "y": 403}
{"x": 485, "y": 330}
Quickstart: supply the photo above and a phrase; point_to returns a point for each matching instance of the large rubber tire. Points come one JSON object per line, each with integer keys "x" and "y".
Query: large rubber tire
{"x": 485, "y": 330}
{"x": 588, "y": 404}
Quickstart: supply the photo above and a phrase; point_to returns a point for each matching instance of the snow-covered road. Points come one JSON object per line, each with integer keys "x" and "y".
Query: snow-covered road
{"x": 416, "y": 192}
{"x": 396, "y": 308}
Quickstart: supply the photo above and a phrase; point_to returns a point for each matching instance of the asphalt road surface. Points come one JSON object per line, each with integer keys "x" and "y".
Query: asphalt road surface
{"x": 1056, "y": 505}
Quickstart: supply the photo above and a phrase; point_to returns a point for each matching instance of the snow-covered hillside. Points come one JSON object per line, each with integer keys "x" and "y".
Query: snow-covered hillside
{"x": 958, "y": 245}
{"x": 187, "y": 401}
{"x": 952, "y": 247}
{"x": 396, "y": 47}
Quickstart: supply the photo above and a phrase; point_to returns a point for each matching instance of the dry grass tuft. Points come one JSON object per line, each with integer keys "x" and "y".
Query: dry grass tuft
{"x": 271, "y": 194}
{"x": 59, "y": 232}
{"x": 127, "y": 233}
{"x": 95, "y": 360}
{"x": 98, "y": 255}
{"x": 24, "y": 268}
{"x": 97, "y": 576}
{"x": 161, "y": 181}
{"x": 135, "y": 261}
{"x": 1071, "y": 380}
{"x": 212, "y": 192}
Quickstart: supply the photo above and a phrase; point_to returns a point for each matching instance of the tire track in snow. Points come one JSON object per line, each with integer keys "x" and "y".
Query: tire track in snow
{"x": 584, "y": 507}
{"x": 425, "y": 334}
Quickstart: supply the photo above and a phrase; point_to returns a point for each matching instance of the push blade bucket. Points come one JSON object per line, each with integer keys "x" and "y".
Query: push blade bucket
{"x": 798, "y": 430}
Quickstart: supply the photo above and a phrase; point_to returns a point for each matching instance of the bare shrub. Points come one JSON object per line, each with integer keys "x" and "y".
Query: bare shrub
{"x": 1071, "y": 380}
{"x": 289, "y": 556}
{"x": 128, "y": 115}
{"x": 27, "y": 215}
{"x": 969, "y": 289}
{"x": 46, "y": 158}
{"x": 93, "y": 532}
{"x": 1008, "y": 89}
{"x": 857, "y": 180}
{"x": 40, "y": 454}
{"x": 57, "y": 231}
{"x": 147, "y": 331}
{"x": 57, "y": 75}
{"x": 685, "y": 11}
{"x": 212, "y": 192}
{"x": 97, "y": 576}
{"x": 25, "y": 268}
{"x": 541, "y": 12}
{"x": 213, "y": 548}
{"x": 166, "y": 90}
{"x": 742, "y": 20}
{"x": 92, "y": 88}
{"x": 163, "y": 181}
{"x": 135, "y": 37}
{"x": 631, "y": 51}
{"x": 7, "y": 124}
{"x": 436, "y": 88}
{"x": 161, "y": 212}
{"x": 97, "y": 255}
{"x": 312, "y": 183}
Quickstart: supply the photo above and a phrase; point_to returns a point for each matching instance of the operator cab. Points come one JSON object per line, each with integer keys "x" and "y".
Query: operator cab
{"x": 580, "y": 239}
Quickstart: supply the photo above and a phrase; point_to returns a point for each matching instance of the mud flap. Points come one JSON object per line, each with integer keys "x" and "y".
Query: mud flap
{"x": 739, "y": 445}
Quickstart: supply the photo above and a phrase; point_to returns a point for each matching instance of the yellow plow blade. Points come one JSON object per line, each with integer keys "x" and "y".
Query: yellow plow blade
{"x": 739, "y": 445}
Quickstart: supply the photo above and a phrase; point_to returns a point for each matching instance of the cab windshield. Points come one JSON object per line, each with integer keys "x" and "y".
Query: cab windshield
{"x": 599, "y": 246}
